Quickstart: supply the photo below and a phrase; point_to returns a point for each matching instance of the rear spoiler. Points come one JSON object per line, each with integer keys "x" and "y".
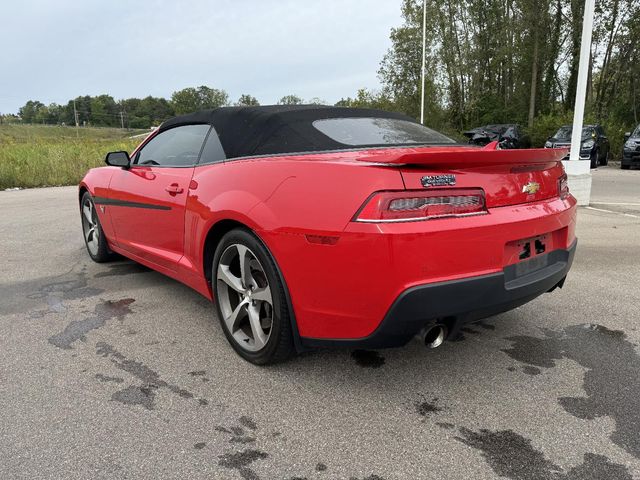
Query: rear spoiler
{"x": 460, "y": 156}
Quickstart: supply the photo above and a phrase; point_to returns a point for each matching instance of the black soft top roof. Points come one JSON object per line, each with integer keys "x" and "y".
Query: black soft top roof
{"x": 274, "y": 129}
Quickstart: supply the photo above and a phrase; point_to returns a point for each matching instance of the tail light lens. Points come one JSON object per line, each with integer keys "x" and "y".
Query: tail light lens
{"x": 403, "y": 206}
{"x": 563, "y": 186}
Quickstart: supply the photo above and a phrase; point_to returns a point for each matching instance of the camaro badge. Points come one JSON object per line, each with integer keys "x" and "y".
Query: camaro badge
{"x": 438, "y": 180}
{"x": 531, "y": 188}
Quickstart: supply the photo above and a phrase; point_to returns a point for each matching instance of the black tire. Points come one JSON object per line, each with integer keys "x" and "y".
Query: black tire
{"x": 279, "y": 345}
{"x": 99, "y": 252}
{"x": 625, "y": 167}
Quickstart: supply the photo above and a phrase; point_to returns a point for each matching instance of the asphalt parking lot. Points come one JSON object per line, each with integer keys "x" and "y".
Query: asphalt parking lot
{"x": 617, "y": 190}
{"x": 114, "y": 371}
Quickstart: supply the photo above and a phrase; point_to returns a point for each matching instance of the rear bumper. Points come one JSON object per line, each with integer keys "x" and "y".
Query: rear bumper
{"x": 631, "y": 158}
{"x": 344, "y": 290}
{"x": 459, "y": 301}
{"x": 584, "y": 154}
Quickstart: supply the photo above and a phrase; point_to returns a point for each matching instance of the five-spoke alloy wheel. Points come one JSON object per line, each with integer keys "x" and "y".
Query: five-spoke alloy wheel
{"x": 90, "y": 226}
{"x": 245, "y": 297}
{"x": 250, "y": 299}
{"x": 93, "y": 235}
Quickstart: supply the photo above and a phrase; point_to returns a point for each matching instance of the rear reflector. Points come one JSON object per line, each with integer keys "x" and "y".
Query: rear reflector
{"x": 322, "y": 239}
{"x": 405, "y": 206}
{"x": 563, "y": 186}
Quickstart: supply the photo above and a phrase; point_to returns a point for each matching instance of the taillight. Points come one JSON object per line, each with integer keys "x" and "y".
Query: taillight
{"x": 563, "y": 186}
{"x": 403, "y": 206}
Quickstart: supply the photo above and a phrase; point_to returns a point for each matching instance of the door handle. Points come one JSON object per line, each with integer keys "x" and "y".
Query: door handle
{"x": 174, "y": 189}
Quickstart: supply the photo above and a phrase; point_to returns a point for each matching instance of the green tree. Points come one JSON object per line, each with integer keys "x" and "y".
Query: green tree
{"x": 510, "y": 61}
{"x": 83, "y": 107}
{"x": 103, "y": 111}
{"x": 29, "y": 111}
{"x": 400, "y": 69}
{"x": 290, "y": 100}
{"x": 54, "y": 114}
{"x": 246, "y": 100}
{"x": 156, "y": 109}
{"x": 133, "y": 118}
{"x": 368, "y": 99}
{"x": 147, "y": 112}
{"x": 192, "y": 99}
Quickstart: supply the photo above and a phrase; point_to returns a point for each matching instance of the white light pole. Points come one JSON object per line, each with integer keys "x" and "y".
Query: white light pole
{"x": 579, "y": 171}
{"x": 424, "y": 45}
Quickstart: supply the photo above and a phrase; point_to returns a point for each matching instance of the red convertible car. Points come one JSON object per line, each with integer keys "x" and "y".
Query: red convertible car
{"x": 319, "y": 226}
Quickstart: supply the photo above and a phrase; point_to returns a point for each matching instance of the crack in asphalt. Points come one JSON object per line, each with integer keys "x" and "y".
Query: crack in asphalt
{"x": 611, "y": 381}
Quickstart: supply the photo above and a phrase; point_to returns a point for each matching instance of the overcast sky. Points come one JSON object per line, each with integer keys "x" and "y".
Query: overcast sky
{"x": 53, "y": 51}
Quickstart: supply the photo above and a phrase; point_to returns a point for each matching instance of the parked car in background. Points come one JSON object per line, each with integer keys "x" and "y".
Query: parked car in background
{"x": 594, "y": 144}
{"x": 631, "y": 149}
{"x": 508, "y": 135}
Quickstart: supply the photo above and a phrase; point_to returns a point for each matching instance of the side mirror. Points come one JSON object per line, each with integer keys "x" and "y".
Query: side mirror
{"x": 626, "y": 136}
{"x": 118, "y": 159}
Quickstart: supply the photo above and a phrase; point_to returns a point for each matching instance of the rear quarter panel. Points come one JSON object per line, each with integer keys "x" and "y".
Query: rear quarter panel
{"x": 280, "y": 196}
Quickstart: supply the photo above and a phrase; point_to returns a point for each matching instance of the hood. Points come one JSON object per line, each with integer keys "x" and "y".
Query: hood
{"x": 557, "y": 140}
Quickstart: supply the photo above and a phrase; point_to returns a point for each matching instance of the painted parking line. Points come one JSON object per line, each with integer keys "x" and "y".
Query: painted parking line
{"x": 611, "y": 211}
{"x": 618, "y": 204}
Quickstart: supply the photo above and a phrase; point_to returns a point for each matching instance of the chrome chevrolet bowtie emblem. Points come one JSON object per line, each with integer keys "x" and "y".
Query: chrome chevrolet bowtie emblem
{"x": 438, "y": 180}
{"x": 531, "y": 188}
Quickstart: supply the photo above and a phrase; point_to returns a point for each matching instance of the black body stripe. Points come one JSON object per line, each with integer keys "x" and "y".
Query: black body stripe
{"x": 123, "y": 203}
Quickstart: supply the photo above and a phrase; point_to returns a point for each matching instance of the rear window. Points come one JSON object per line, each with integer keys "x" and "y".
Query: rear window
{"x": 364, "y": 131}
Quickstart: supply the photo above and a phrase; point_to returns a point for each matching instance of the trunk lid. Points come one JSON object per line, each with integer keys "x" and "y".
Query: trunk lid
{"x": 508, "y": 177}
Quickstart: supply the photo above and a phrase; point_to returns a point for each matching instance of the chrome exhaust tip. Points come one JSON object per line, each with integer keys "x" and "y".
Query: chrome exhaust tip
{"x": 434, "y": 336}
